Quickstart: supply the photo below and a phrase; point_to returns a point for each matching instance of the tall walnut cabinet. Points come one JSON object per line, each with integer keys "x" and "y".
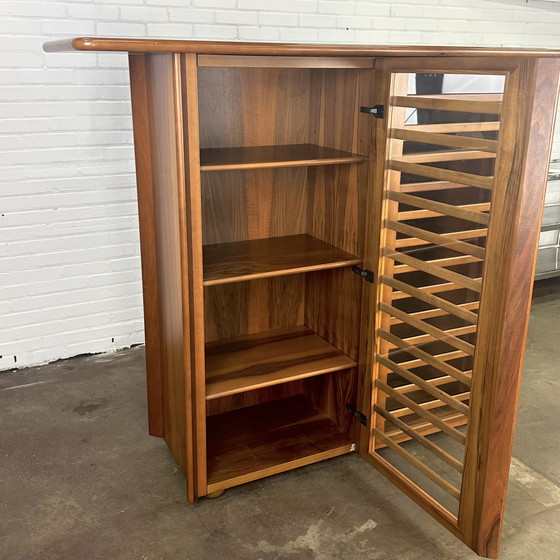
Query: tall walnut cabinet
{"x": 333, "y": 264}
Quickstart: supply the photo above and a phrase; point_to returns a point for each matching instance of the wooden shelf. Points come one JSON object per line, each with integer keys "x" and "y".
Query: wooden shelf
{"x": 275, "y": 256}
{"x": 255, "y": 157}
{"x": 259, "y": 360}
{"x": 258, "y": 441}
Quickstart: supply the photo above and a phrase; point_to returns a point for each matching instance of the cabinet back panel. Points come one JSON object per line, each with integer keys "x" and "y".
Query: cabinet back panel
{"x": 250, "y": 398}
{"x": 254, "y": 107}
{"x": 245, "y": 205}
{"x": 243, "y": 308}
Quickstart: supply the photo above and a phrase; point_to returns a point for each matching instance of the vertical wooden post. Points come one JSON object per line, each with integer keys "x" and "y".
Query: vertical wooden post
{"x": 193, "y": 302}
{"x": 521, "y": 173}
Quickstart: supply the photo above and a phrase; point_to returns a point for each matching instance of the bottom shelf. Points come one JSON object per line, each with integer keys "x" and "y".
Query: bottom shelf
{"x": 258, "y": 441}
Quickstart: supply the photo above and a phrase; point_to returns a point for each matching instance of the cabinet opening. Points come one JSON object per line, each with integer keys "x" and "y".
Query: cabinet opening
{"x": 253, "y": 117}
{"x": 271, "y": 430}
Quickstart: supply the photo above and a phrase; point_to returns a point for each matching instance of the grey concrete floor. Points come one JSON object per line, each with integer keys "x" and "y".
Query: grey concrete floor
{"x": 81, "y": 479}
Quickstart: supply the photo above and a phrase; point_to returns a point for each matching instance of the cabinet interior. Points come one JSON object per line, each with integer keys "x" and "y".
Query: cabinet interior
{"x": 284, "y": 166}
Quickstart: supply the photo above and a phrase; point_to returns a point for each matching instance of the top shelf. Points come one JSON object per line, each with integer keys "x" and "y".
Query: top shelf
{"x": 259, "y": 157}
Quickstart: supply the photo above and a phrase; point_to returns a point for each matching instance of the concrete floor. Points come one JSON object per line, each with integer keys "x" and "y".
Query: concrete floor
{"x": 81, "y": 479}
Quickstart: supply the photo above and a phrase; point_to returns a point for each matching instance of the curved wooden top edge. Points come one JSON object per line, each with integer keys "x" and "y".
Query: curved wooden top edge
{"x": 233, "y": 47}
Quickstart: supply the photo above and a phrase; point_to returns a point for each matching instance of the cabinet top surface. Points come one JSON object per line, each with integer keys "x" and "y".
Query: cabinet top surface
{"x": 230, "y": 47}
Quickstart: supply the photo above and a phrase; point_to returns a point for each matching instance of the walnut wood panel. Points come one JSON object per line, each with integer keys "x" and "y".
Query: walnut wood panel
{"x": 243, "y": 205}
{"x": 275, "y": 256}
{"x": 521, "y": 173}
{"x": 163, "y": 81}
{"x": 269, "y": 438}
{"x": 238, "y": 47}
{"x": 253, "y": 107}
{"x": 148, "y": 241}
{"x": 255, "y": 397}
{"x": 249, "y": 362}
{"x": 233, "y": 61}
{"x": 242, "y": 308}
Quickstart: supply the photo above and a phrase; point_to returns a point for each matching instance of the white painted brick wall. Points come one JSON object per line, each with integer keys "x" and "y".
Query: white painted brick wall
{"x": 69, "y": 260}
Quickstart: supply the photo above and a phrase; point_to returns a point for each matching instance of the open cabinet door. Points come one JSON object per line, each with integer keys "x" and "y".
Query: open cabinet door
{"x": 461, "y": 179}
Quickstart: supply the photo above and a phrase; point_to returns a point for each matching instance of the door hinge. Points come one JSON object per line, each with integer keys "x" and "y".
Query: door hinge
{"x": 366, "y": 274}
{"x": 359, "y": 415}
{"x": 378, "y": 111}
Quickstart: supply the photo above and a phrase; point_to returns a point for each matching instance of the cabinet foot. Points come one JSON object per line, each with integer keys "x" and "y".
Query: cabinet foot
{"x": 216, "y": 494}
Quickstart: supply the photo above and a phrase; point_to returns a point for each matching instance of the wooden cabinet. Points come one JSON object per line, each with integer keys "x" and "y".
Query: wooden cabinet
{"x": 332, "y": 263}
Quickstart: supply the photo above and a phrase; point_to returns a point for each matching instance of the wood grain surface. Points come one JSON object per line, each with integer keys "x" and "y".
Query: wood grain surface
{"x": 255, "y": 157}
{"x": 258, "y": 441}
{"x": 261, "y": 258}
{"x": 238, "y": 47}
{"x": 249, "y": 362}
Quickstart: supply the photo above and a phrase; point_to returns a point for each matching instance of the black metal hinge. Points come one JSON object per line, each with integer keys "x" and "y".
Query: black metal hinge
{"x": 359, "y": 416}
{"x": 366, "y": 274}
{"x": 378, "y": 111}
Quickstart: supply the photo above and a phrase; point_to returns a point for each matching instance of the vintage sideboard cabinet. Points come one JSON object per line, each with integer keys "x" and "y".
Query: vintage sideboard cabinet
{"x": 336, "y": 259}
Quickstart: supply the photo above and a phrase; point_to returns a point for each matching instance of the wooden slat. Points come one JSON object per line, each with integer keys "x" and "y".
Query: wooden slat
{"x": 444, "y": 336}
{"x": 458, "y": 127}
{"x": 436, "y": 312}
{"x": 434, "y": 361}
{"x": 440, "y": 272}
{"x": 426, "y": 471}
{"x": 440, "y": 207}
{"x": 433, "y": 157}
{"x": 487, "y": 103}
{"x": 442, "y": 357}
{"x": 444, "y": 240}
{"x": 442, "y": 174}
{"x": 425, "y": 338}
{"x": 432, "y": 186}
{"x": 425, "y": 442}
{"x": 431, "y": 289}
{"x": 424, "y": 385}
{"x": 429, "y": 405}
{"x": 253, "y": 361}
{"x": 445, "y": 262}
{"x": 422, "y": 411}
{"x": 419, "y": 496}
{"x": 466, "y": 234}
{"x": 465, "y": 142}
{"x": 421, "y": 214}
{"x": 452, "y": 418}
{"x": 435, "y": 381}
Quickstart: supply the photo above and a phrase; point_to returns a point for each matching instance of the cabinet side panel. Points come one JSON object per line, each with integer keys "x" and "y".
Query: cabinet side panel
{"x": 160, "y": 75}
{"x": 143, "y": 157}
{"x": 513, "y": 235}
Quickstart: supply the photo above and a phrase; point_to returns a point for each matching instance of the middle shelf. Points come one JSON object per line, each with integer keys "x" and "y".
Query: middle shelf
{"x": 288, "y": 155}
{"x": 259, "y": 360}
{"x": 274, "y": 256}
